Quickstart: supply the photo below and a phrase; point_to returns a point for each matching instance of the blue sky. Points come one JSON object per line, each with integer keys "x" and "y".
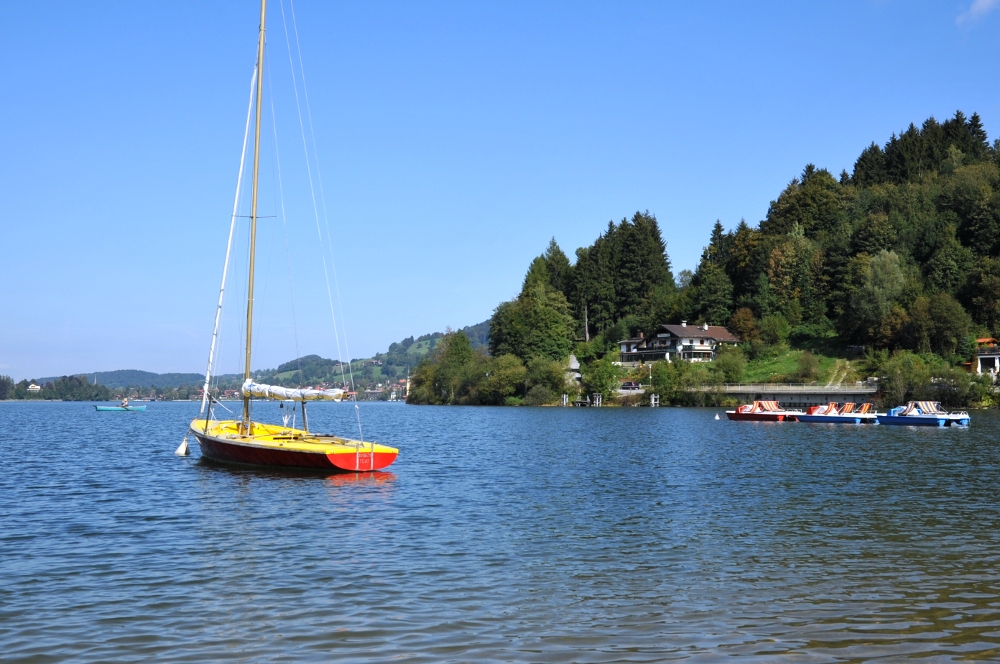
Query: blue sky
{"x": 453, "y": 140}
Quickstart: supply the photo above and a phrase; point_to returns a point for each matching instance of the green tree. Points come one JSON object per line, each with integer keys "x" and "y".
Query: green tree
{"x": 602, "y": 377}
{"x": 973, "y": 195}
{"x": 808, "y": 367}
{"x": 538, "y": 323}
{"x": 905, "y": 377}
{"x": 743, "y": 324}
{"x": 540, "y": 395}
{"x": 714, "y": 291}
{"x": 875, "y": 302}
{"x": 559, "y": 269}
{"x": 950, "y": 265}
{"x": 731, "y": 363}
{"x": 812, "y": 203}
{"x": 447, "y": 374}
{"x": 642, "y": 262}
{"x": 505, "y": 376}
{"x": 537, "y": 276}
{"x": 982, "y": 293}
{"x": 869, "y": 169}
{"x": 875, "y": 234}
{"x": 547, "y": 373}
{"x": 745, "y": 260}
{"x": 774, "y": 329}
{"x": 454, "y": 353}
{"x": 952, "y": 326}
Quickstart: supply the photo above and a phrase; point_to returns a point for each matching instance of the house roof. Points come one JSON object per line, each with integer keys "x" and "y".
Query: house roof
{"x": 716, "y": 332}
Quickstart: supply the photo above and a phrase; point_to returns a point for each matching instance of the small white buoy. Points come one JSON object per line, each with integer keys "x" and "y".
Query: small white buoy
{"x": 717, "y": 416}
{"x": 183, "y": 449}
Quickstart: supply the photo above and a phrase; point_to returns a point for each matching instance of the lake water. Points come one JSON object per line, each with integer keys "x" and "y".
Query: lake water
{"x": 517, "y": 534}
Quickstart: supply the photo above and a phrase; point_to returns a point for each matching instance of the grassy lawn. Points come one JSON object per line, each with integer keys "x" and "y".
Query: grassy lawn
{"x": 781, "y": 368}
{"x": 784, "y": 367}
{"x": 420, "y": 348}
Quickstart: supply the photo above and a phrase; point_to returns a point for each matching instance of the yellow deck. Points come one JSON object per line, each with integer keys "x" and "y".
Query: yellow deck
{"x": 276, "y": 436}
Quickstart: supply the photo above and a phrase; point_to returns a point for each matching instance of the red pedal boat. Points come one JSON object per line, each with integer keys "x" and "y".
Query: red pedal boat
{"x": 763, "y": 411}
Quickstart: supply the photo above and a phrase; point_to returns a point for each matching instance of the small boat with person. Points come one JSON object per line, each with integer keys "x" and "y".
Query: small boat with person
{"x": 120, "y": 408}
{"x": 847, "y": 414}
{"x": 924, "y": 414}
{"x": 763, "y": 411}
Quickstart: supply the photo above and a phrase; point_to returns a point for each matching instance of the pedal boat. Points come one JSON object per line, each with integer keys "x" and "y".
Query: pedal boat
{"x": 763, "y": 411}
{"x": 281, "y": 446}
{"x": 829, "y": 414}
{"x": 924, "y": 414}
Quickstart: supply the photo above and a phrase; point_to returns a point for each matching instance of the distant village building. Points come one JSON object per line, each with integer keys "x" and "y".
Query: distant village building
{"x": 691, "y": 343}
{"x": 34, "y": 388}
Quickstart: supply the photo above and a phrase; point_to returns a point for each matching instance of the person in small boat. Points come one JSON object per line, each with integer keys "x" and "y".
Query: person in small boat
{"x": 125, "y": 402}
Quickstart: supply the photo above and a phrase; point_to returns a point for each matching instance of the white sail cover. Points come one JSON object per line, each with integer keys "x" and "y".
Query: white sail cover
{"x": 261, "y": 391}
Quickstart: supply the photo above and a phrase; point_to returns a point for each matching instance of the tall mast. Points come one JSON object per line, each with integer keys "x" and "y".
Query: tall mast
{"x": 253, "y": 212}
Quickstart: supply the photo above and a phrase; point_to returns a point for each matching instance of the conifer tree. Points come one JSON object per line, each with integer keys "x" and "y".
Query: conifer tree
{"x": 869, "y": 169}
{"x": 559, "y": 268}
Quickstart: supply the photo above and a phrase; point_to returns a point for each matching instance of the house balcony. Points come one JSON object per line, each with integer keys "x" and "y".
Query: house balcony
{"x": 635, "y": 358}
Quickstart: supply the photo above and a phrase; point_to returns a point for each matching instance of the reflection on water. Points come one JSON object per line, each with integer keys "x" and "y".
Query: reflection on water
{"x": 377, "y": 478}
{"x": 335, "y": 478}
{"x": 509, "y": 534}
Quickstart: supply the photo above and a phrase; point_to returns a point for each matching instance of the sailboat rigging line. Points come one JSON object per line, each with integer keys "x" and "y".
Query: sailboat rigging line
{"x": 229, "y": 246}
{"x": 312, "y": 191}
{"x": 319, "y": 177}
{"x": 284, "y": 225}
{"x": 247, "y": 429}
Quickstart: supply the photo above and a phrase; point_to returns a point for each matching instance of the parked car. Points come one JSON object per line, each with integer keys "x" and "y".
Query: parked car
{"x": 631, "y": 385}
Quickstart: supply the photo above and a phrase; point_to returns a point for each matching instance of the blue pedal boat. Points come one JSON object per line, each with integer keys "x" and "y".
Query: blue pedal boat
{"x": 923, "y": 414}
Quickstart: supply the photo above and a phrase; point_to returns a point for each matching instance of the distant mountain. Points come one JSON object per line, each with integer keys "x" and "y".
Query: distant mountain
{"x": 396, "y": 363}
{"x": 136, "y": 378}
{"x": 388, "y": 367}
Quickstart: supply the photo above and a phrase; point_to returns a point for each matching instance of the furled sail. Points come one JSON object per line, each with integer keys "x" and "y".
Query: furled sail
{"x": 260, "y": 391}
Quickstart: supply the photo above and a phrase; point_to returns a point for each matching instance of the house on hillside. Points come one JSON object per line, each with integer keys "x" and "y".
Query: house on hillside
{"x": 691, "y": 343}
{"x": 987, "y": 357}
{"x": 34, "y": 388}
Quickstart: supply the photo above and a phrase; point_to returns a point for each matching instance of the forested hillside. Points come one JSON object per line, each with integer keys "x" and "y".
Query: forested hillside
{"x": 65, "y": 388}
{"x": 902, "y": 254}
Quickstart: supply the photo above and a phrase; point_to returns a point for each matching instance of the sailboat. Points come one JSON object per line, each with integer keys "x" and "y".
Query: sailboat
{"x": 246, "y": 442}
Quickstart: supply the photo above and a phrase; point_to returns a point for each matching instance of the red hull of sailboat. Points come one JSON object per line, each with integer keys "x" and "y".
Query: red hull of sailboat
{"x": 230, "y": 452}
